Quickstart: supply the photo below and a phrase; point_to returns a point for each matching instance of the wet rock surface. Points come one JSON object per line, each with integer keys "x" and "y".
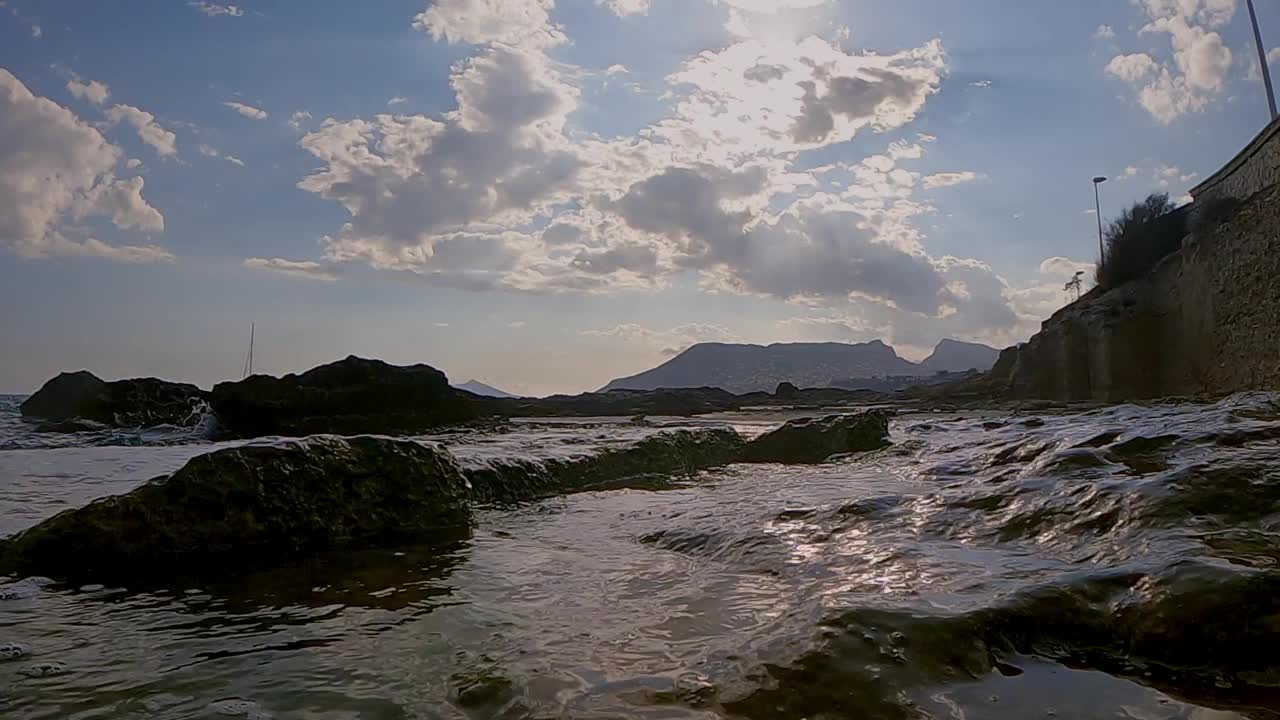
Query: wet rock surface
{"x": 813, "y": 440}
{"x": 254, "y": 503}
{"x": 70, "y": 402}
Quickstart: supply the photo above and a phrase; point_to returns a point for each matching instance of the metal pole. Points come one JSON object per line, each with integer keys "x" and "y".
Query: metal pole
{"x": 1262, "y": 60}
{"x": 1097, "y": 212}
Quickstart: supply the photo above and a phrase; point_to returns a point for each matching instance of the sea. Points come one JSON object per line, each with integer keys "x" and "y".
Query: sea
{"x": 1115, "y": 562}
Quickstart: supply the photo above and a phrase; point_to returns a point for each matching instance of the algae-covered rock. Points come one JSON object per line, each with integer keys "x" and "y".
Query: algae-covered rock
{"x": 812, "y": 440}
{"x": 665, "y": 453}
{"x": 256, "y": 502}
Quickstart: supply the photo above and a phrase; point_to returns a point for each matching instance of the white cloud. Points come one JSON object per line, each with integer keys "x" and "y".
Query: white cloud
{"x": 133, "y": 163}
{"x": 306, "y": 269}
{"x": 616, "y": 70}
{"x": 946, "y": 179}
{"x": 164, "y": 142}
{"x": 1273, "y": 56}
{"x": 1104, "y": 32}
{"x": 1200, "y": 58}
{"x": 626, "y": 7}
{"x": 1064, "y": 268}
{"x": 93, "y": 91}
{"x": 516, "y": 324}
{"x": 216, "y": 10}
{"x": 298, "y": 118}
{"x": 234, "y": 160}
{"x": 56, "y": 168}
{"x": 1132, "y": 68}
{"x": 478, "y": 22}
{"x": 980, "y": 83}
{"x": 397, "y": 100}
{"x": 37, "y": 31}
{"x": 248, "y": 111}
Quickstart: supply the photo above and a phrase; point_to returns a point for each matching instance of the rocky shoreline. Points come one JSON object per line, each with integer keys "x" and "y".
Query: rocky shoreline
{"x": 276, "y": 501}
{"x": 358, "y": 396}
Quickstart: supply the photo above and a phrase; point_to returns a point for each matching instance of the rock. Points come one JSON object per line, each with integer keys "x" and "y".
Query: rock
{"x": 664, "y": 453}
{"x": 67, "y": 396}
{"x": 812, "y": 440}
{"x": 348, "y": 397}
{"x": 255, "y": 503}
{"x": 141, "y": 402}
{"x": 786, "y": 390}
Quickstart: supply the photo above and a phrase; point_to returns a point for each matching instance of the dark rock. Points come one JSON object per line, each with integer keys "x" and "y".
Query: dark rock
{"x": 351, "y": 396}
{"x": 69, "y": 395}
{"x": 255, "y": 503}
{"x": 786, "y": 390}
{"x": 664, "y": 453}
{"x": 141, "y": 402}
{"x": 812, "y": 440}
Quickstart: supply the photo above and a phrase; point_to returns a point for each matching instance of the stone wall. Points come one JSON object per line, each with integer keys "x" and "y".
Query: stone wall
{"x": 1206, "y": 320}
{"x": 1253, "y": 169}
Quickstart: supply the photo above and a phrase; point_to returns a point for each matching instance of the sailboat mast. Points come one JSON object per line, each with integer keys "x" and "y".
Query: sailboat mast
{"x": 248, "y": 358}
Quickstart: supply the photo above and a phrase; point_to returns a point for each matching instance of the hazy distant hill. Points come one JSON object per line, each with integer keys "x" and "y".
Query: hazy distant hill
{"x": 748, "y": 368}
{"x": 956, "y": 356}
{"x": 479, "y": 388}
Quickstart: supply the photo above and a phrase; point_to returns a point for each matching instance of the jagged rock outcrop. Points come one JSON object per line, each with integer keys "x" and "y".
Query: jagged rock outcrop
{"x": 812, "y": 440}
{"x": 254, "y": 503}
{"x": 351, "y": 396}
{"x": 140, "y": 402}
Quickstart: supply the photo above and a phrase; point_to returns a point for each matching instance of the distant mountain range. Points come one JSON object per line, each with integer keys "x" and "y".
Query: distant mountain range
{"x": 479, "y": 388}
{"x": 750, "y": 368}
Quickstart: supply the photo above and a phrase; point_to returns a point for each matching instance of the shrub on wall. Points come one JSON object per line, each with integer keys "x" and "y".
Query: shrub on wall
{"x": 1139, "y": 238}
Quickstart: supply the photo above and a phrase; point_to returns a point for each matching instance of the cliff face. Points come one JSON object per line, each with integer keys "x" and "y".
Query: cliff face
{"x": 1206, "y": 320}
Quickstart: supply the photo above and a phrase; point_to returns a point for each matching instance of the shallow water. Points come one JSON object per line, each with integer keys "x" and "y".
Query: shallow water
{"x": 1119, "y": 563}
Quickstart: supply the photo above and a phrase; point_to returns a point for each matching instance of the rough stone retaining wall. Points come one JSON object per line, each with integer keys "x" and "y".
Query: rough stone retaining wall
{"x": 1254, "y": 168}
{"x": 1206, "y": 320}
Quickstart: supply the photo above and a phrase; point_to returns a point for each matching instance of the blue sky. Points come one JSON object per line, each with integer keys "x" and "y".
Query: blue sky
{"x": 546, "y": 195}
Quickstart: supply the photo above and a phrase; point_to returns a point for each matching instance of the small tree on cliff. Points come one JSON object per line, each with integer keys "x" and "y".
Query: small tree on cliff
{"x": 1139, "y": 238}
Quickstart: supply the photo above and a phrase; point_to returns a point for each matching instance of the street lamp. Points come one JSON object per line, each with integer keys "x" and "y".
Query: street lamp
{"x": 1097, "y": 211}
{"x": 1262, "y": 60}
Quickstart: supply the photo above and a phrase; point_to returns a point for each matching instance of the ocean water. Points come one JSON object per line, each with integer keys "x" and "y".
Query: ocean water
{"x": 1116, "y": 563}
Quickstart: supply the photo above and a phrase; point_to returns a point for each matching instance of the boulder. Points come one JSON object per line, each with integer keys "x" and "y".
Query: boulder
{"x": 786, "y": 390}
{"x": 140, "y": 402}
{"x": 69, "y": 395}
{"x": 812, "y": 440}
{"x": 255, "y": 503}
{"x": 348, "y": 397}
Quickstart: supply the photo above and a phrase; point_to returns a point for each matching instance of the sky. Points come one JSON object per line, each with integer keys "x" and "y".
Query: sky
{"x": 548, "y": 194}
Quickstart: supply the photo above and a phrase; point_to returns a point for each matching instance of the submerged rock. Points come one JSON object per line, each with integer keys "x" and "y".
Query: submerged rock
{"x": 351, "y": 396}
{"x": 812, "y": 440}
{"x": 256, "y": 502}
{"x": 70, "y": 398}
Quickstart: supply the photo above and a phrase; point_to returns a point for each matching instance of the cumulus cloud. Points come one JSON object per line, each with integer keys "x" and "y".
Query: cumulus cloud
{"x": 478, "y": 22}
{"x": 757, "y": 96}
{"x": 1200, "y": 59}
{"x": 298, "y": 118}
{"x": 92, "y": 91}
{"x": 164, "y": 142}
{"x": 216, "y": 10}
{"x": 55, "y": 170}
{"x": 248, "y": 111}
{"x": 1132, "y": 68}
{"x": 1104, "y": 32}
{"x": 305, "y": 269}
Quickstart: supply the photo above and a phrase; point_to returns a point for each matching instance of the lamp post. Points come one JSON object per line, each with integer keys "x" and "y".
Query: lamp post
{"x": 1097, "y": 211}
{"x": 1262, "y": 60}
